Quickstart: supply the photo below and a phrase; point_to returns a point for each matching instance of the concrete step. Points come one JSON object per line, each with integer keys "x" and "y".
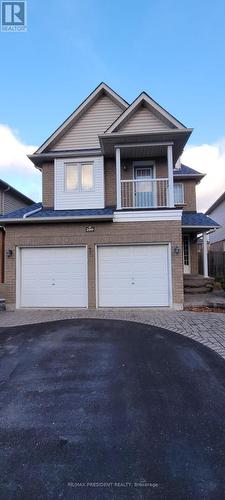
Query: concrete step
{"x": 197, "y": 277}
{"x": 202, "y": 289}
{"x": 196, "y": 283}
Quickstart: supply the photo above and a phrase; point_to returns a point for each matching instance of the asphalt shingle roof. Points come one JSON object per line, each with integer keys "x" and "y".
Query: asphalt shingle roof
{"x": 197, "y": 219}
{"x": 185, "y": 171}
{"x": 188, "y": 218}
{"x": 18, "y": 214}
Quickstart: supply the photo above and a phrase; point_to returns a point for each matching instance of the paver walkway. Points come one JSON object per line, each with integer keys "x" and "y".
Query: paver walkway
{"x": 207, "y": 328}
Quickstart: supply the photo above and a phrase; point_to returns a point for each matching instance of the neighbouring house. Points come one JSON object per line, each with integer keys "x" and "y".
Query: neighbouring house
{"x": 117, "y": 226}
{"x": 217, "y": 211}
{"x": 10, "y": 200}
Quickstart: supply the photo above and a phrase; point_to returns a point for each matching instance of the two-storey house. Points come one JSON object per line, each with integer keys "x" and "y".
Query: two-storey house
{"x": 117, "y": 226}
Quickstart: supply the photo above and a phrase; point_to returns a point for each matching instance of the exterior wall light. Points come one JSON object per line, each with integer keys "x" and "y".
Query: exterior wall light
{"x": 176, "y": 249}
{"x": 9, "y": 253}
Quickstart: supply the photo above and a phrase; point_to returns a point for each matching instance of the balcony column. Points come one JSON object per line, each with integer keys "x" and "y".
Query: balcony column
{"x": 170, "y": 176}
{"x": 118, "y": 179}
{"x": 205, "y": 256}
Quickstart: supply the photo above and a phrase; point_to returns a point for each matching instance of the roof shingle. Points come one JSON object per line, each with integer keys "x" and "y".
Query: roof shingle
{"x": 198, "y": 219}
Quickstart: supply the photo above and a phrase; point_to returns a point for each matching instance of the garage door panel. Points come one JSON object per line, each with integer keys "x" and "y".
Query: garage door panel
{"x": 133, "y": 276}
{"x": 53, "y": 277}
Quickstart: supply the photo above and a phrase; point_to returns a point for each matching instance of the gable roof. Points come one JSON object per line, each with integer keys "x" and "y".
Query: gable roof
{"x": 187, "y": 172}
{"x": 216, "y": 203}
{"x": 102, "y": 89}
{"x": 6, "y": 186}
{"x": 153, "y": 106}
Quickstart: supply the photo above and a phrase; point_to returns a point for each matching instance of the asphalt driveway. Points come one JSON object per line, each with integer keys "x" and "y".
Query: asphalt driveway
{"x": 102, "y": 409}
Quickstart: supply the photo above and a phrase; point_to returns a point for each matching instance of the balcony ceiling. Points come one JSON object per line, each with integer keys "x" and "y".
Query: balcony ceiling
{"x": 142, "y": 142}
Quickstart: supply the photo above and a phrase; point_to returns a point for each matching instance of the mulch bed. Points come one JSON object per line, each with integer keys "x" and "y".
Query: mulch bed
{"x": 216, "y": 309}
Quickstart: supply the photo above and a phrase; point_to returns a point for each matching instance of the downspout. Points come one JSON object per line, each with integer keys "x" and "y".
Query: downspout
{"x": 32, "y": 212}
{"x": 2, "y": 264}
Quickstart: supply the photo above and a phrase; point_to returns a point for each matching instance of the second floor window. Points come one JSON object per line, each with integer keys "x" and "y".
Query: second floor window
{"x": 79, "y": 177}
{"x": 178, "y": 193}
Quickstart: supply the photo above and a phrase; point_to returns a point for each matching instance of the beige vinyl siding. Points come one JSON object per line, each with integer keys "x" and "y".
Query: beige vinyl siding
{"x": 218, "y": 215}
{"x": 143, "y": 120}
{"x": 9, "y": 203}
{"x": 84, "y": 133}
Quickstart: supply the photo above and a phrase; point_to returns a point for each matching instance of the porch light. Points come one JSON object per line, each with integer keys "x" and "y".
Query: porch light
{"x": 176, "y": 249}
{"x": 9, "y": 253}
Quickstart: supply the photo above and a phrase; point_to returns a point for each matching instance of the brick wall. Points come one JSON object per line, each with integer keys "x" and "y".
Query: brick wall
{"x": 107, "y": 232}
{"x": 48, "y": 185}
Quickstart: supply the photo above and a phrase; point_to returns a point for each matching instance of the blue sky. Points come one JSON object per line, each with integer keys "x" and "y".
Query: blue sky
{"x": 172, "y": 49}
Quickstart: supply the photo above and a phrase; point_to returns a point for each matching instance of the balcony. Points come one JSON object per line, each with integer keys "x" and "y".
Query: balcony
{"x": 143, "y": 182}
{"x": 147, "y": 193}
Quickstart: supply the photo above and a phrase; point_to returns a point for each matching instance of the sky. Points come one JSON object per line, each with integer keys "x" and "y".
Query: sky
{"x": 174, "y": 50}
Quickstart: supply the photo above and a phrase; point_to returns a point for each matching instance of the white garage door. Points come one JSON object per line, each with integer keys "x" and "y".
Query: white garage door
{"x": 133, "y": 276}
{"x": 53, "y": 277}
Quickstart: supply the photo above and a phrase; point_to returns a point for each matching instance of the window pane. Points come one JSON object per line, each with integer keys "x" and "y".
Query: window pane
{"x": 87, "y": 178}
{"x": 178, "y": 193}
{"x": 72, "y": 177}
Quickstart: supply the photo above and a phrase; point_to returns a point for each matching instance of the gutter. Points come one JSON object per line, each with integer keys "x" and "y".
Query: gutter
{"x": 2, "y": 263}
{"x": 58, "y": 219}
{"x": 201, "y": 227}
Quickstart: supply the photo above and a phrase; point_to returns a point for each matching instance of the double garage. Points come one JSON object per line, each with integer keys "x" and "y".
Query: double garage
{"x": 125, "y": 276}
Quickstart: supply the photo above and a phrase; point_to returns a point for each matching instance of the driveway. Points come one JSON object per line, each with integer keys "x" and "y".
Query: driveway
{"x": 102, "y": 409}
{"x": 207, "y": 328}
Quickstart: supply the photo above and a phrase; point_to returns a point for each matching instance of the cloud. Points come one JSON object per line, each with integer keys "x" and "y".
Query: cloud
{"x": 210, "y": 160}
{"x": 15, "y": 167}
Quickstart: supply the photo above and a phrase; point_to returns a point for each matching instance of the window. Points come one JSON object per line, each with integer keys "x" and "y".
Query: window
{"x": 79, "y": 177}
{"x": 178, "y": 193}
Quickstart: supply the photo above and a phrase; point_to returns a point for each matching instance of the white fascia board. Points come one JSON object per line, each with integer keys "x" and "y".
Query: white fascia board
{"x": 150, "y": 102}
{"x": 148, "y": 216}
{"x": 201, "y": 227}
{"x": 80, "y": 109}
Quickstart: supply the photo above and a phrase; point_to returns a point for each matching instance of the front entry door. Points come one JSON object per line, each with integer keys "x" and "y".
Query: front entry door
{"x": 186, "y": 254}
{"x": 143, "y": 187}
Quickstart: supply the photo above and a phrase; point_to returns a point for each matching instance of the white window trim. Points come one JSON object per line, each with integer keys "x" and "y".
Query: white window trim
{"x": 79, "y": 164}
{"x": 144, "y": 163}
{"x": 182, "y": 189}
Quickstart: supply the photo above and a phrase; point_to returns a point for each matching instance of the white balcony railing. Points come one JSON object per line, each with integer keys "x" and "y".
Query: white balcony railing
{"x": 139, "y": 193}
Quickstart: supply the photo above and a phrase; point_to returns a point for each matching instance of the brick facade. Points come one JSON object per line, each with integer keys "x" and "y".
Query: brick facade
{"x": 63, "y": 234}
{"x": 48, "y": 185}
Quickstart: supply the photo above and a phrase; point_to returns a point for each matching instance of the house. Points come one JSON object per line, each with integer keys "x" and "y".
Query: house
{"x": 10, "y": 200}
{"x": 217, "y": 238}
{"x": 117, "y": 226}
